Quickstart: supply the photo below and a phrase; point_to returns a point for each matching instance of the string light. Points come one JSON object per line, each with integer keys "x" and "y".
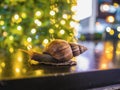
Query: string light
{"x": 51, "y": 31}
{"x": 52, "y": 13}
{"x": 16, "y": 16}
{"x": 19, "y": 58}
{"x": 23, "y": 15}
{"x": 11, "y": 49}
{"x": 16, "y": 23}
{"x": 76, "y": 17}
{"x": 108, "y": 29}
{"x": 118, "y": 28}
{"x": 33, "y": 31}
{"x": 62, "y": 22}
{"x": 29, "y": 39}
{"x": 45, "y": 41}
{"x": 38, "y": 13}
{"x": 62, "y": 31}
{"x": 11, "y": 38}
{"x": 38, "y": 22}
{"x": 3, "y": 64}
{"x": 65, "y": 16}
{"x": 5, "y": 34}
{"x": 17, "y": 70}
{"x": 104, "y": 7}
{"x": 116, "y": 5}
{"x": 2, "y": 22}
{"x": 110, "y": 19}
{"x": 73, "y": 8}
{"x": 72, "y": 24}
{"x": 19, "y": 28}
{"x": 111, "y": 32}
{"x": 56, "y": 25}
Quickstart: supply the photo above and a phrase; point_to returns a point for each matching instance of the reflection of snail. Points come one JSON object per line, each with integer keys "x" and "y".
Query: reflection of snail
{"x": 58, "y": 52}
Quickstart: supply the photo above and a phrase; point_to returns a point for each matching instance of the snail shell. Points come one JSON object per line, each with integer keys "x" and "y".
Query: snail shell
{"x": 63, "y": 51}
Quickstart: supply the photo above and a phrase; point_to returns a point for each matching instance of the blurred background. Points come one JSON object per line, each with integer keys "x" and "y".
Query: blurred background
{"x": 38, "y": 22}
{"x": 33, "y": 24}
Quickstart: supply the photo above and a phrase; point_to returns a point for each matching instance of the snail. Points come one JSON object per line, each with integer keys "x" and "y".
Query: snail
{"x": 58, "y": 52}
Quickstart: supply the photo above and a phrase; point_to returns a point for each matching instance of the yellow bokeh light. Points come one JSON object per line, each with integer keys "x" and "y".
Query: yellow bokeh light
{"x": 5, "y": 34}
{"x": 51, "y": 31}
{"x": 104, "y": 66}
{"x": 29, "y": 47}
{"x": 39, "y": 72}
{"x": 11, "y": 50}
{"x": 38, "y": 22}
{"x": 62, "y": 22}
{"x": 23, "y": 15}
{"x": 62, "y": 31}
{"x": 2, "y": 22}
{"x": 38, "y": 13}
{"x": 116, "y": 5}
{"x": 52, "y": 13}
{"x": 45, "y": 41}
{"x": 33, "y": 31}
{"x": 111, "y": 32}
{"x": 3, "y": 64}
{"x": 76, "y": 17}
{"x": 19, "y": 27}
{"x": 73, "y": 8}
{"x": 17, "y": 70}
{"x": 119, "y": 35}
{"x": 16, "y": 16}
{"x": 65, "y": 16}
{"x": 19, "y": 58}
{"x": 72, "y": 24}
{"x": 56, "y": 25}
{"x": 11, "y": 38}
{"x": 110, "y": 19}
{"x": 29, "y": 39}
{"x": 52, "y": 21}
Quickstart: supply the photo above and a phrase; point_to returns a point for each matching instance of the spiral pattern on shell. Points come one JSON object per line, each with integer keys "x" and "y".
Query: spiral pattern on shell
{"x": 63, "y": 51}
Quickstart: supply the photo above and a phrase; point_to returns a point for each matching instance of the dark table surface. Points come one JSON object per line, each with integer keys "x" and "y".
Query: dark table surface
{"x": 98, "y": 66}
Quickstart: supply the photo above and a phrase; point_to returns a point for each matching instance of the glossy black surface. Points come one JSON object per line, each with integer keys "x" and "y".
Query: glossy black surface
{"x": 102, "y": 55}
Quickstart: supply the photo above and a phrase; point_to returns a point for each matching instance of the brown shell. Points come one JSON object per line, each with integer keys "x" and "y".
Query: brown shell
{"x": 60, "y": 50}
{"x": 77, "y": 49}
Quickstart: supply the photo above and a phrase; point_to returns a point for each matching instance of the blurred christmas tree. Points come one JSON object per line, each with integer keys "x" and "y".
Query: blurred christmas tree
{"x": 35, "y": 22}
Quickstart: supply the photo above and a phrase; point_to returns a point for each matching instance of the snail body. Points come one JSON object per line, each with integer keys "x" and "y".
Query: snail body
{"x": 58, "y": 52}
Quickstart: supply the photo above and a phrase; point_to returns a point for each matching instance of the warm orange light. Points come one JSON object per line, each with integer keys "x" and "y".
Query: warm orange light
{"x": 110, "y": 19}
{"x": 104, "y": 66}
